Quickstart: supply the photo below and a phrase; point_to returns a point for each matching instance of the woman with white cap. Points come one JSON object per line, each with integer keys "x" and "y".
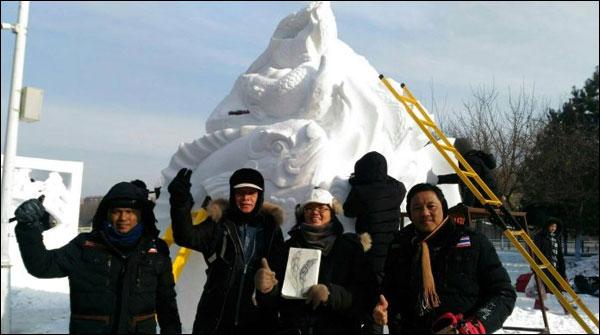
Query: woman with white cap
{"x": 346, "y": 287}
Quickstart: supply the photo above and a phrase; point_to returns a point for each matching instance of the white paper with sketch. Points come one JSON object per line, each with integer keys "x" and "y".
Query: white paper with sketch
{"x": 301, "y": 272}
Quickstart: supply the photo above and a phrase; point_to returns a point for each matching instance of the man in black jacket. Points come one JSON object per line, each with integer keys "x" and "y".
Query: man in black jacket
{"x": 442, "y": 277}
{"x": 482, "y": 163}
{"x": 236, "y": 236}
{"x": 120, "y": 274}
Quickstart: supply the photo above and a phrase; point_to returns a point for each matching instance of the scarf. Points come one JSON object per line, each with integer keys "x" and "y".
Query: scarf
{"x": 428, "y": 297}
{"x": 320, "y": 237}
{"x": 120, "y": 239}
{"x": 554, "y": 247}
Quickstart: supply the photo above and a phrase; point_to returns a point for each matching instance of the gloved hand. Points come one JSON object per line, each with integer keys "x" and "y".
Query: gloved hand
{"x": 458, "y": 213}
{"x": 31, "y": 213}
{"x": 432, "y": 178}
{"x": 450, "y": 323}
{"x": 180, "y": 186}
{"x": 265, "y": 280}
{"x": 317, "y": 294}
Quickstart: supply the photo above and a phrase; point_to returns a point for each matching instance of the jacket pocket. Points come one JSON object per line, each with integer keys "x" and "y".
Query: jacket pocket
{"x": 89, "y": 324}
{"x": 144, "y": 324}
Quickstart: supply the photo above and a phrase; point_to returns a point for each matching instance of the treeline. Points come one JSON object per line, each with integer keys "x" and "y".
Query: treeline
{"x": 547, "y": 158}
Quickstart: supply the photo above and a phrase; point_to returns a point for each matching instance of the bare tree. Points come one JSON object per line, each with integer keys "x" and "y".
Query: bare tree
{"x": 506, "y": 129}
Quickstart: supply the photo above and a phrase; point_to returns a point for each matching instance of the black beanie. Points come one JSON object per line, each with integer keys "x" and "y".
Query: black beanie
{"x": 247, "y": 178}
{"x": 463, "y": 145}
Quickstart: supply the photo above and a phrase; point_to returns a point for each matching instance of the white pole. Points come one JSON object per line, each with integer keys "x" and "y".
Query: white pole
{"x": 10, "y": 152}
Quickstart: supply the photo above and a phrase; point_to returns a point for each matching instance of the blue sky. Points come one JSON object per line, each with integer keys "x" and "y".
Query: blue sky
{"x": 125, "y": 83}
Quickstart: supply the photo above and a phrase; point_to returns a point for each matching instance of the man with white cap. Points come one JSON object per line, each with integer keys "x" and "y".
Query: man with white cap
{"x": 239, "y": 237}
{"x": 346, "y": 289}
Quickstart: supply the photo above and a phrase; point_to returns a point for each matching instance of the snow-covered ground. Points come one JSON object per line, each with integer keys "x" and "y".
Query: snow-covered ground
{"x": 43, "y": 312}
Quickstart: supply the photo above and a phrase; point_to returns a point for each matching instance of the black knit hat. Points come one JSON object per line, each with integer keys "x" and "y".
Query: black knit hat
{"x": 463, "y": 145}
{"x": 247, "y": 178}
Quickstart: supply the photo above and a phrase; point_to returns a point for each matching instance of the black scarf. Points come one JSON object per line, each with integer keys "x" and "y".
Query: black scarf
{"x": 319, "y": 237}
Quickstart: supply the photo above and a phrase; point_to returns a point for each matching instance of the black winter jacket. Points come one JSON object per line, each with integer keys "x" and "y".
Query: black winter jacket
{"x": 351, "y": 284}
{"x": 544, "y": 243}
{"x": 109, "y": 292}
{"x": 482, "y": 163}
{"x": 374, "y": 200}
{"x": 469, "y": 279}
{"x": 226, "y": 304}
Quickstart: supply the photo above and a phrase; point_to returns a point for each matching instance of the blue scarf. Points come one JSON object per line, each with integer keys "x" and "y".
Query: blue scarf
{"x": 120, "y": 239}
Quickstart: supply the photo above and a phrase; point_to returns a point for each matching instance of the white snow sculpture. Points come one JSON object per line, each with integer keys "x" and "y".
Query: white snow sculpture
{"x": 302, "y": 114}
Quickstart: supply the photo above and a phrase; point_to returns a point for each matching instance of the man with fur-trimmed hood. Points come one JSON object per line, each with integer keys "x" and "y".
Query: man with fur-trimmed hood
{"x": 347, "y": 288}
{"x": 120, "y": 274}
{"x": 239, "y": 236}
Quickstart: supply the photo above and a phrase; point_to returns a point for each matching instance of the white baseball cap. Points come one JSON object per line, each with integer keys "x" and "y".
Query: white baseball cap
{"x": 320, "y": 196}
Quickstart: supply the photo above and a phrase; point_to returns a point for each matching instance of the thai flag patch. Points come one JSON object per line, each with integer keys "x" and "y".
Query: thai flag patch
{"x": 152, "y": 251}
{"x": 464, "y": 242}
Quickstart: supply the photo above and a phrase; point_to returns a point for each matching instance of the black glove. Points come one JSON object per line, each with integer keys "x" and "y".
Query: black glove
{"x": 180, "y": 187}
{"x": 31, "y": 213}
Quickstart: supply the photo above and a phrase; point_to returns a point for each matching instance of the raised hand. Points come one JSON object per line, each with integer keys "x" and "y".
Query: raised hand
{"x": 380, "y": 314}
{"x": 30, "y": 213}
{"x": 265, "y": 279}
{"x": 180, "y": 186}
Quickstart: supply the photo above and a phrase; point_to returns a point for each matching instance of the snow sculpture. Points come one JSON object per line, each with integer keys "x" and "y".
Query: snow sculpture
{"x": 61, "y": 200}
{"x": 302, "y": 114}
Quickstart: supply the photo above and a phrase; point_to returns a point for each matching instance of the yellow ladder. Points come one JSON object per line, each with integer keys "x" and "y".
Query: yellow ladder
{"x": 489, "y": 200}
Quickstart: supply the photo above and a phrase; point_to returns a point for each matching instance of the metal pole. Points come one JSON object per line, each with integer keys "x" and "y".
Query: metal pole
{"x": 10, "y": 153}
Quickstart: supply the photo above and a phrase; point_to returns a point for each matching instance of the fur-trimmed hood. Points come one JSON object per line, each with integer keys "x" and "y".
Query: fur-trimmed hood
{"x": 217, "y": 207}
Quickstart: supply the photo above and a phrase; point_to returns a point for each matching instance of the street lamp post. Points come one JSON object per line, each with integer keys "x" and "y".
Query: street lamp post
{"x": 10, "y": 151}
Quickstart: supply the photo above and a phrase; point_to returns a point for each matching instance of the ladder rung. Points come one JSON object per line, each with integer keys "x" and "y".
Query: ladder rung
{"x": 541, "y": 266}
{"x": 469, "y": 174}
{"x": 427, "y": 123}
{"x": 447, "y": 148}
{"x": 408, "y": 100}
{"x": 493, "y": 203}
{"x": 518, "y": 232}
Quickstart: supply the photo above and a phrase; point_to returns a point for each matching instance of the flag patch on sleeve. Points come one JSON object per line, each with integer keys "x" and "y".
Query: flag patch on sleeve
{"x": 464, "y": 242}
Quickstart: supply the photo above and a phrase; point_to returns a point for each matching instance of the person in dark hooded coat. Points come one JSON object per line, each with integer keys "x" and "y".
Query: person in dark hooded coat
{"x": 374, "y": 200}
{"x": 120, "y": 274}
{"x": 549, "y": 241}
{"x": 235, "y": 239}
{"x": 482, "y": 163}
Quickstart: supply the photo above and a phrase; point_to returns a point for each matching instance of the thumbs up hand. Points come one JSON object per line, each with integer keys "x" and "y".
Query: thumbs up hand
{"x": 265, "y": 280}
{"x": 380, "y": 314}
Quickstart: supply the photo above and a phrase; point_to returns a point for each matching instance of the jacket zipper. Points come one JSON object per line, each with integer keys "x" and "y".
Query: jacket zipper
{"x": 238, "y": 251}
{"x": 108, "y": 266}
{"x": 239, "y": 298}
